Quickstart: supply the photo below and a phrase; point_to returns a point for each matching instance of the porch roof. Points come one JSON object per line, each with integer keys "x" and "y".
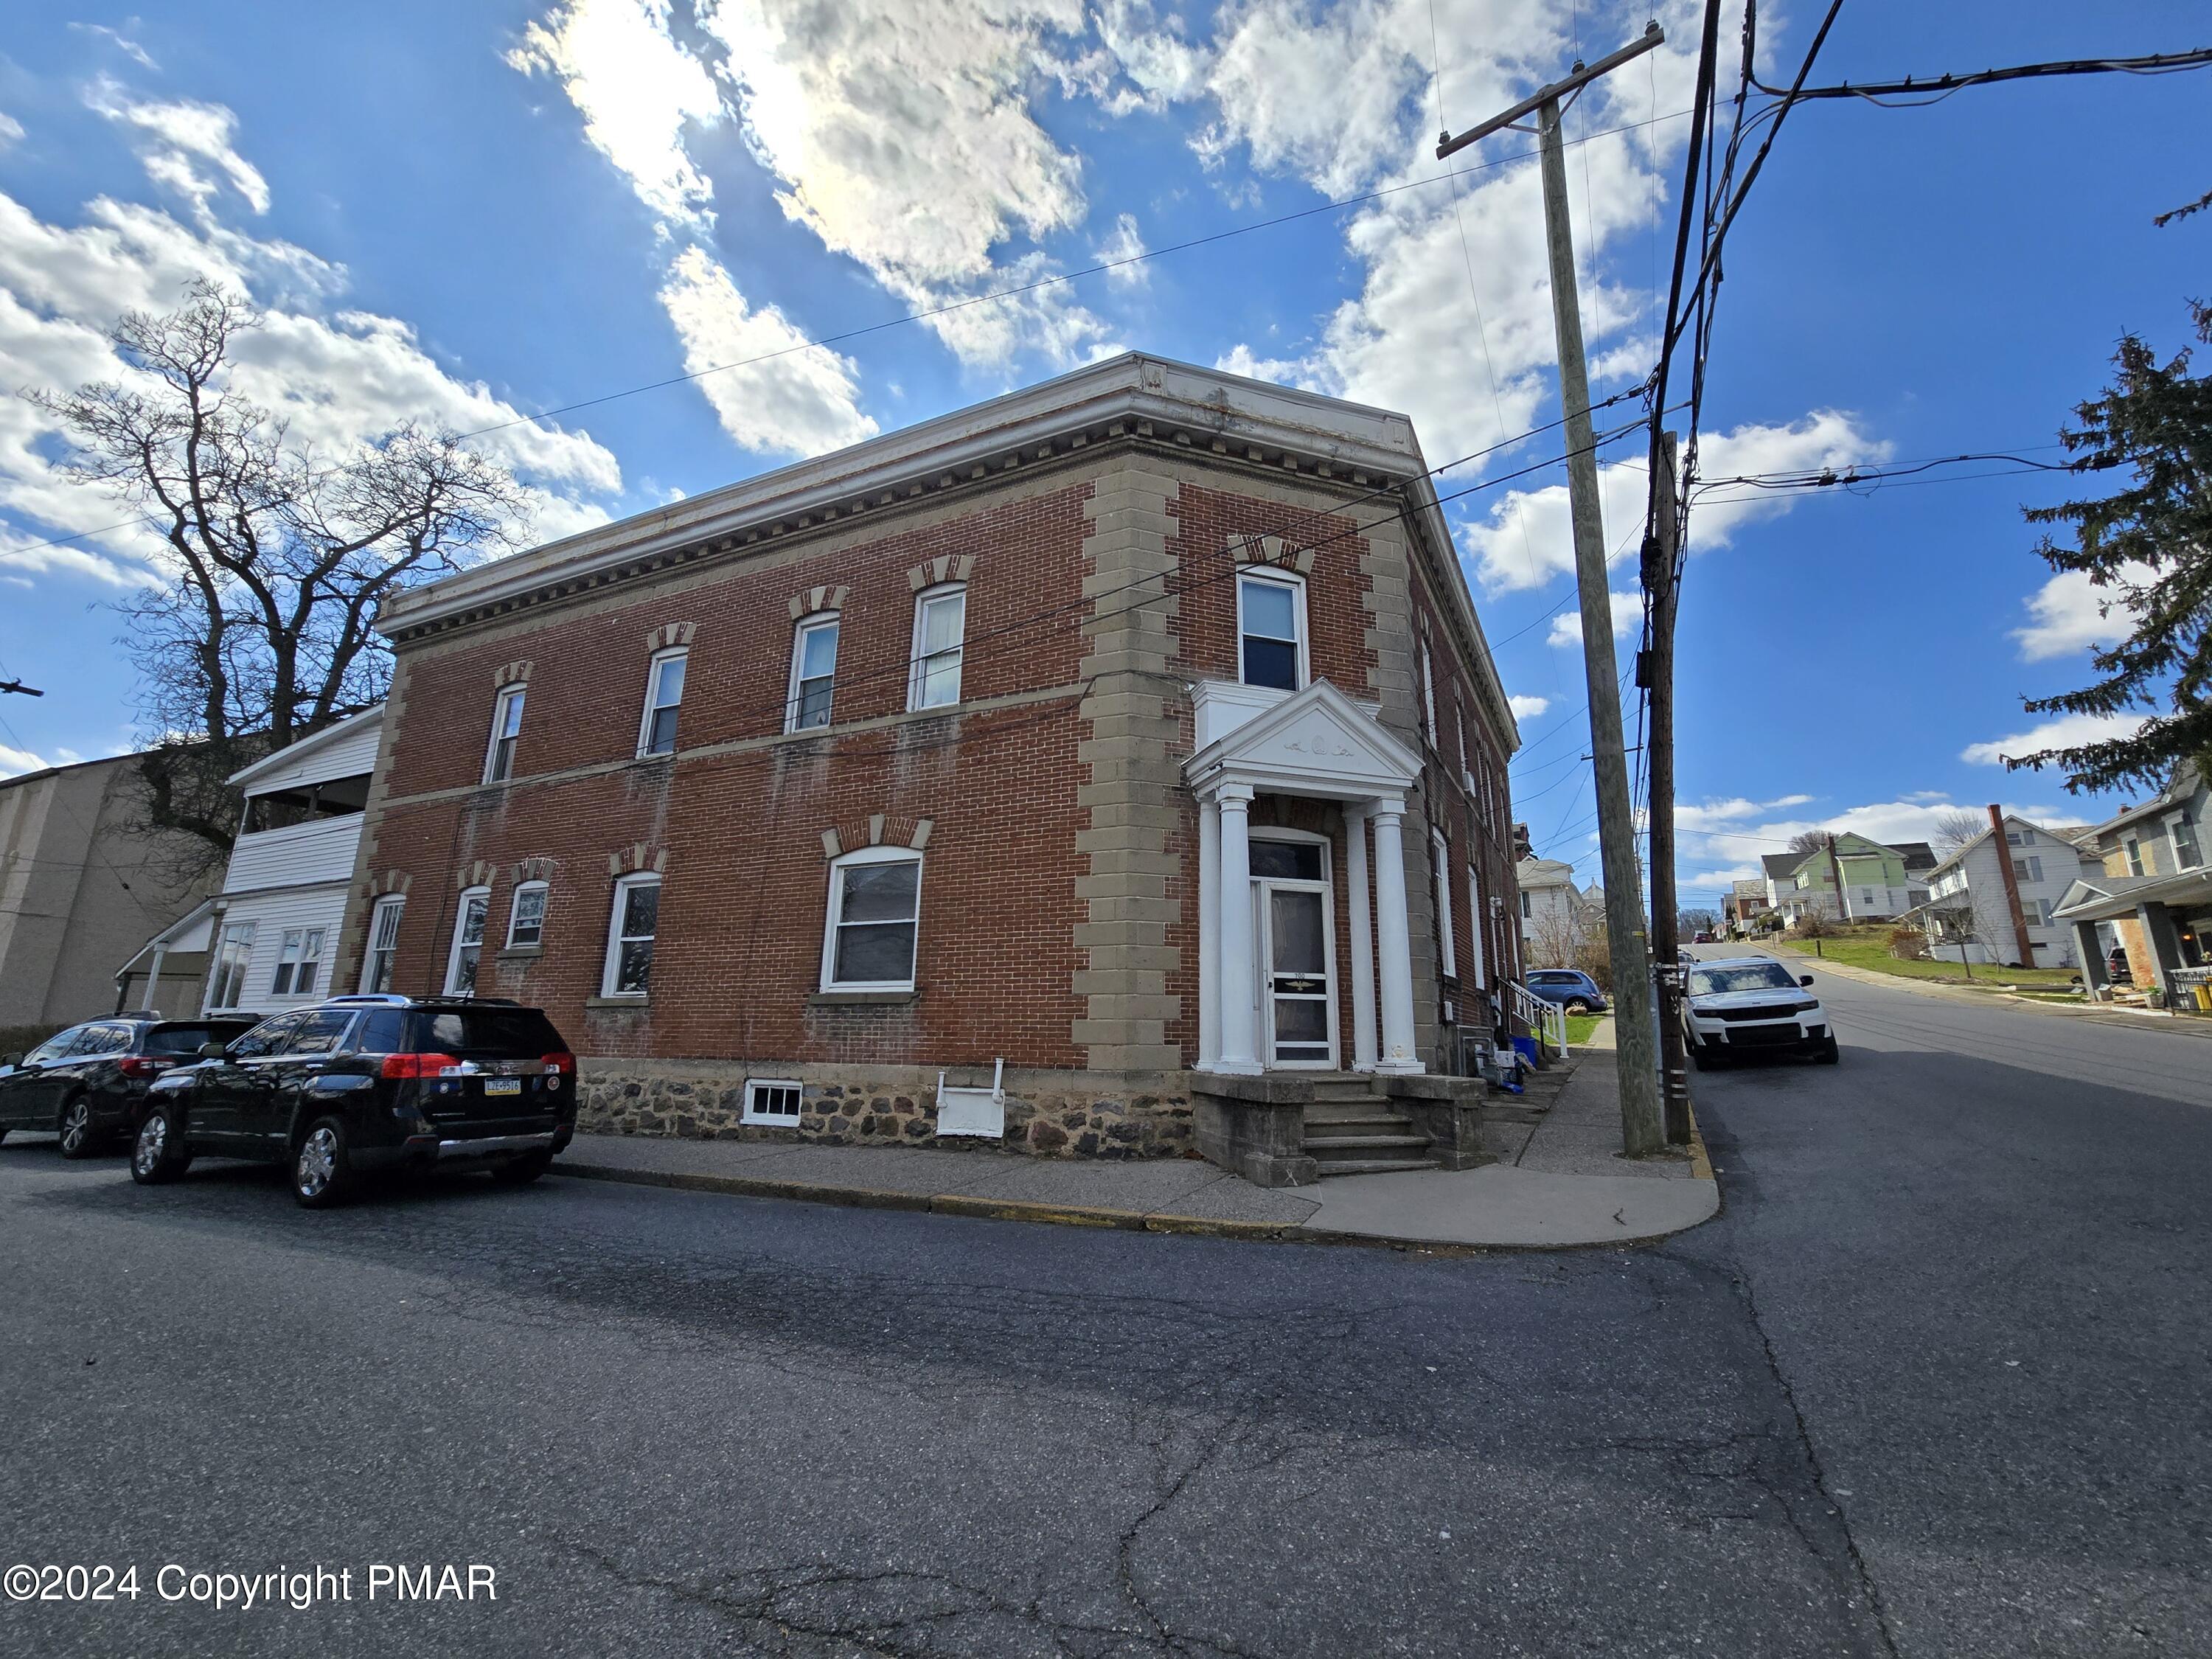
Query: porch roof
{"x": 1316, "y": 742}
{"x": 2108, "y": 898}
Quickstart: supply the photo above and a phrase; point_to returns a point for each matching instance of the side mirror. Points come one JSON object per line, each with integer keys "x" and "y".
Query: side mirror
{"x": 212, "y": 1051}
{"x": 1804, "y": 979}
{"x": 10, "y": 1061}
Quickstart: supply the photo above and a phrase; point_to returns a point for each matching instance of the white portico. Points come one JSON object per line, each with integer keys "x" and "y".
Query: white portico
{"x": 1266, "y": 961}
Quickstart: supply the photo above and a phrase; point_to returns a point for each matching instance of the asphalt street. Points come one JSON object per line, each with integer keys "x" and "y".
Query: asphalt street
{"x": 1935, "y": 1383}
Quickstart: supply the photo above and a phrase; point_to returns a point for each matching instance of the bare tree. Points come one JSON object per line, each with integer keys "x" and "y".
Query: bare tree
{"x": 1808, "y": 840}
{"x": 278, "y": 554}
{"x": 1957, "y": 826}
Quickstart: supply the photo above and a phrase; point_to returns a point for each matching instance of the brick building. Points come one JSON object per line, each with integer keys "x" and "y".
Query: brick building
{"x": 1127, "y": 730}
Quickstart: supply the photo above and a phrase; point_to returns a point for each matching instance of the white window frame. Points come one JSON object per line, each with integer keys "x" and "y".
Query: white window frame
{"x": 242, "y": 934}
{"x": 754, "y": 1086}
{"x": 395, "y": 906}
{"x": 468, "y": 895}
{"x": 918, "y": 662}
{"x": 1428, "y": 694}
{"x": 293, "y": 953}
{"x": 868, "y": 855}
{"x": 515, "y": 913}
{"x": 800, "y": 630}
{"x": 2137, "y": 866}
{"x": 617, "y": 938}
{"x": 653, "y": 668}
{"x": 1440, "y": 863}
{"x": 1476, "y": 920}
{"x": 2182, "y": 821}
{"x": 510, "y": 698}
{"x": 1297, "y": 583}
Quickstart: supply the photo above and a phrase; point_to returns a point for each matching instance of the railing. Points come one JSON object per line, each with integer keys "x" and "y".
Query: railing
{"x": 1547, "y": 1021}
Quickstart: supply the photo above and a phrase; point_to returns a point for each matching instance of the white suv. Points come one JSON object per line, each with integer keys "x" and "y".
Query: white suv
{"x": 1752, "y": 1005}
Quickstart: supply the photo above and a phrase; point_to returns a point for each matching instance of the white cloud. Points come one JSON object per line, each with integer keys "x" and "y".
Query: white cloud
{"x": 14, "y": 762}
{"x": 122, "y": 43}
{"x": 174, "y": 139}
{"x": 636, "y": 89}
{"x": 1161, "y": 66}
{"x": 2070, "y": 613}
{"x": 801, "y": 403}
{"x": 1123, "y": 242}
{"x": 1690, "y": 817}
{"x": 1527, "y": 540}
{"x": 2067, "y": 731}
{"x": 11, "y": 130}
{"x": 1627, "y": 621}
{"x": 338, "y": 376}
{"x": 1528, "y": 708}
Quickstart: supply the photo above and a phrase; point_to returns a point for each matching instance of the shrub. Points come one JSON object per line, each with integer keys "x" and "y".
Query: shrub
{"x": 1909, "y": 944}
{"x": 1814, "y": 926}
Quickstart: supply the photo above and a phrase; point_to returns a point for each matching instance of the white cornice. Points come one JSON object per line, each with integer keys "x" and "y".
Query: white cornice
{"x": 1135, "y": 396}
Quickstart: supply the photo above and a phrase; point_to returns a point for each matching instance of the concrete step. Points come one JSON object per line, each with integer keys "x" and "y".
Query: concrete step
{"x": 1373, "y": 1166}
{"x": 1406, "y": 1145}
{"x": 1356, "y": 1123}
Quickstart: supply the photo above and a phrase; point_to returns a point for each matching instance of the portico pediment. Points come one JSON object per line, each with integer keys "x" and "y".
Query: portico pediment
{"x": 1314, "y": 742}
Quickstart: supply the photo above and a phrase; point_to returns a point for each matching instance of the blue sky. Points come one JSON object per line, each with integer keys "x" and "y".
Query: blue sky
{"x": 470, "y": 214}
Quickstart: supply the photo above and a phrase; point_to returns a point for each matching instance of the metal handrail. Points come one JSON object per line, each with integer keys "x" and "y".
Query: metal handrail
{"x": 1546, "y": 1020}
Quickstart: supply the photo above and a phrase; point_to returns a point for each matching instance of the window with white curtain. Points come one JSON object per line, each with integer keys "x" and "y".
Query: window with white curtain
{"x": 813, "y": 673}
{"x": 1440, "y": 863}
{"x": 940, "y": 621}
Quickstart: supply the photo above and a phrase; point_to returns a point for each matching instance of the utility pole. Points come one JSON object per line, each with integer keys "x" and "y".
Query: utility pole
{"x": 1660, "y": 556}
{"x": 1836, "y": 870}
{"x": 1642, "y": 1129}
{"x": 18, "y": 686}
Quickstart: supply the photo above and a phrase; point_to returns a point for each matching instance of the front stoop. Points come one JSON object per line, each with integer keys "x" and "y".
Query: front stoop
{"x": 1539, "y": 1090}
{"x": 1289, "y": 1129}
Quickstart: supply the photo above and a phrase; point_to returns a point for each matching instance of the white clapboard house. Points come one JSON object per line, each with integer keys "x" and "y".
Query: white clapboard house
{"x": 272, "y": 935}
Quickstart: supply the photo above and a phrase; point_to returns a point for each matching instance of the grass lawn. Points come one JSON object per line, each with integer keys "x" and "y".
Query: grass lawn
{"x": 1868, "y": 947}
{"x": 1579, "y": 1027}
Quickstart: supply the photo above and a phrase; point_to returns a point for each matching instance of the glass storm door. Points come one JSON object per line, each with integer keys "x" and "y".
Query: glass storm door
{"x": 1300, "y": 1031}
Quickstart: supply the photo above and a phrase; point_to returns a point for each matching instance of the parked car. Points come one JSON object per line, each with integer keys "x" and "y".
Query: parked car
{"x": 1702, "y": 937}
{"x": 1574, "y": 991}
{"x": 1752, "y": 1005}
{"x": 89, "y": 1083}
{"x": 359, "y": 1083}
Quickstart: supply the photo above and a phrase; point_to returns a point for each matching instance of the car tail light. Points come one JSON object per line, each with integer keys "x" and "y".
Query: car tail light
{"x": 142, "y": 1066}
{"x": 564, "y": 1062}
{"x": 417, "y": 1066}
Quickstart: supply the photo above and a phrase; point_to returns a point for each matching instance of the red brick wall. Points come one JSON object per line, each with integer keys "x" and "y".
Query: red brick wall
{"x": 740, "y": 947}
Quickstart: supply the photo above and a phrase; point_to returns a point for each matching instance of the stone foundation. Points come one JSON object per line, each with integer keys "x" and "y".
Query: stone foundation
{"x": 1048, "y": 1114}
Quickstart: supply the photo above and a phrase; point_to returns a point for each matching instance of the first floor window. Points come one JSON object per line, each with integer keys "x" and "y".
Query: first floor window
{"x": 1271, "y": 630}
{"x": 378, "y": 967}
{"x": 875, "y": 911}
{"x": 226, "y": 982}
{"x": 299, "y": 959}
{"x": 630, "y": 933}
{"x": 526, "y": 918}
{"x": 940, "y": 619}
{"x": 813, "y": 673}
{"x": 663, "y": 698}
{"x": 468, "y": 943}
{"x": 1476, "y": 922}
{"x": 768, "y": 1101}
{"x": 1440, "y": 850}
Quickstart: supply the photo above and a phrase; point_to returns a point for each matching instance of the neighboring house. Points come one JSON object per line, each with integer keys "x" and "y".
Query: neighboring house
{"x": 1920, "y": 859}
{"x": 1874, "y": 886}
{"x": 1136, "y": 729}
{"x": 1556, "y": 917}
{"x": 79, "y": 887}
{"x": 271, "y": 936}
{"x": 1992, "y": 899}
{"x": 2150, "y": 895}
{"x": 1780, "y": 881}
{"x": 1744, "y": 904}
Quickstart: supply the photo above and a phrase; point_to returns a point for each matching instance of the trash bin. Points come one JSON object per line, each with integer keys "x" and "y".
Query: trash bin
{"x": 1529, "y": 1051}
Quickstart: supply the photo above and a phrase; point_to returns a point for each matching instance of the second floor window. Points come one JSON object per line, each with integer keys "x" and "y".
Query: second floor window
{"x": 940, "y": 620}
{"x": 1271, "y": 630}
{"x": 378, "y": 967}
{"x": 468, "y": 943}
{"x": 664, "y": 697}
{"x": 2186, "y": 855}
{"x": 813, "y": 673}
{"x": 506, "y": 728}
{"x": 299, "y": 960}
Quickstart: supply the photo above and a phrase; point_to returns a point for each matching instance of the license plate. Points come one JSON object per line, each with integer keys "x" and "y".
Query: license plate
{"x": 502, "y": 1085}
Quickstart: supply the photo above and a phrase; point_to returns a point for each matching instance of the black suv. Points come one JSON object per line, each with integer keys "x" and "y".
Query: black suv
{"x": 89, "y": 1083}
{"x": 368, "y": 1083}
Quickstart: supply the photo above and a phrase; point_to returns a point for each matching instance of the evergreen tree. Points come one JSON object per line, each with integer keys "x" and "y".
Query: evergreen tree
{"x": 2149, "y": 544}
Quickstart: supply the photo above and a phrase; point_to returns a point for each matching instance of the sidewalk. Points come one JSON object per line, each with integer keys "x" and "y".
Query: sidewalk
{"x": 1557, "y": 1184}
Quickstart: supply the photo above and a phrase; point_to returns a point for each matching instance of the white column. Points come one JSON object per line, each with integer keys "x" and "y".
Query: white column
{"x": 1363, "y": 938}
{"x": 1235, "y": 945}
{"x": 1209, "y": 933}
{"x": 154, "y": 980}
{"x": 1393, "y": 945}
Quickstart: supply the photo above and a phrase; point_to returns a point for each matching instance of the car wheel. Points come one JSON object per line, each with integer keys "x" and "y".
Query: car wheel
{"x": 79, "y": 1137}
{"x": 322, "y": 1174}
{"x": 158, "y": 1154}
{"x": 521, "y": 1171}
{"x": 1576, "y": 1006}
{"x": 1830, "y": 1054}
{"x": 1699, "y": 1058}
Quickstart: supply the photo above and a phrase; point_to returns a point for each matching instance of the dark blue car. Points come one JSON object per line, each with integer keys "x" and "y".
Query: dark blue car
{"x": 1574, "y": 991}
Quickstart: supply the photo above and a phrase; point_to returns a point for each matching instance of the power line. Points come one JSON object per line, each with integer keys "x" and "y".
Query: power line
{"x": 1942, "y": 86}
